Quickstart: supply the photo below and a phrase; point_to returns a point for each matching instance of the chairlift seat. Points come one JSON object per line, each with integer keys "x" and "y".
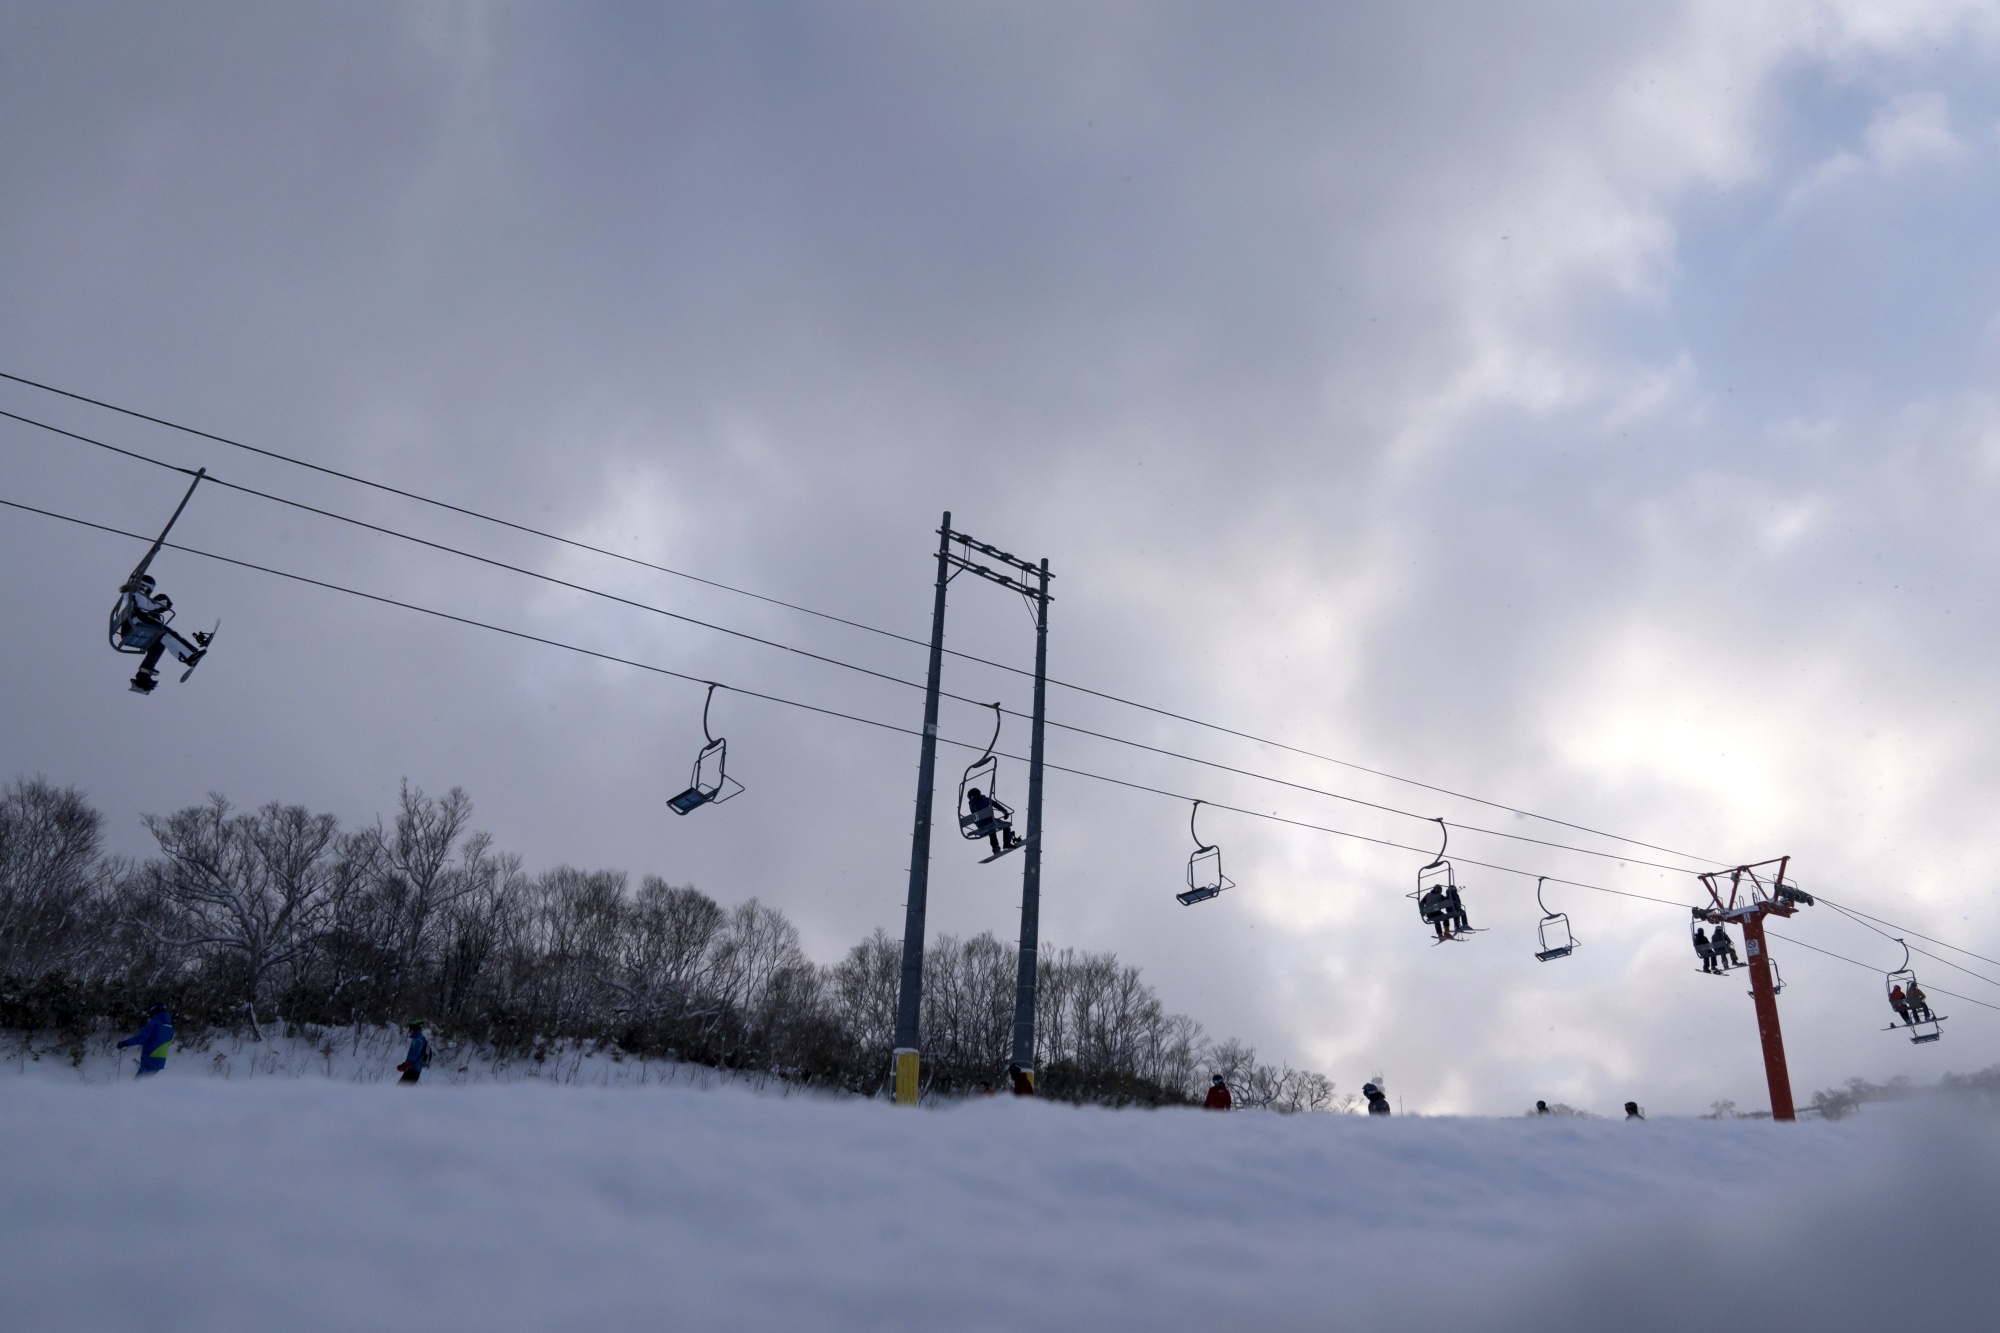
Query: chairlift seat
{"x": 1201, "y": 895}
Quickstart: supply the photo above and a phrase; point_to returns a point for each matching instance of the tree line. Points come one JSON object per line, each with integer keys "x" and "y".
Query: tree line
{"x": 277, "y": 918}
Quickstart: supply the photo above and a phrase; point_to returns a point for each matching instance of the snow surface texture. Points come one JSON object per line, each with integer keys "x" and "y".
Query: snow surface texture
{"x": 191, "y": 1202}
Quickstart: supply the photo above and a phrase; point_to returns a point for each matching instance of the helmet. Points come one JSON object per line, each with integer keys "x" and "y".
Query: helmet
{"x": 1216, "y": 1079}
{"x": 414, "y": 1024}
{"x": 1370, "y": 1087}
{"x": 156, "y": 1009}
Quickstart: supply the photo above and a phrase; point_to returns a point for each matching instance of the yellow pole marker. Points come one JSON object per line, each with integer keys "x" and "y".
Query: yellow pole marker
{"x": 906, "y": 1076}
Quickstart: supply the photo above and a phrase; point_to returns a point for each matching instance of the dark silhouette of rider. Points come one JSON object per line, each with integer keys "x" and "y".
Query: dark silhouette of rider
{"x": 989, "y": 814}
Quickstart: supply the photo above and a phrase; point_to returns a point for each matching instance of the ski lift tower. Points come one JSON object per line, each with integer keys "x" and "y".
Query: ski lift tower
{"x": 1014, "y": 576}
{"x": 1746, "y": 895}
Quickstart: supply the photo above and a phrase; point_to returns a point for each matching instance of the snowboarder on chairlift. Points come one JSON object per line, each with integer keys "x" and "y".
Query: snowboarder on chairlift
{"x": 1218, "y": 1095}
{"x": 420, "y": 1053}
{"x": 1725, "y": 948}
{"x": 140, "y": 624}
{"x": 1023, "y": 1082}
{"x": 1901, "y": 1004}
{"x": 1454, "y": 909}
{"x": 1920, "y": 1006}
{"x": 155, "y": 1041}
{"x": 984, "y": 811}
{"x": 1378, "y": 1100}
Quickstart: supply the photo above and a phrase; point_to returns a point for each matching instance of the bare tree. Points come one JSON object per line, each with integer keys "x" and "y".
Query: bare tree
{"x": 255, "y": 890}
{"x": 51, "y": 874}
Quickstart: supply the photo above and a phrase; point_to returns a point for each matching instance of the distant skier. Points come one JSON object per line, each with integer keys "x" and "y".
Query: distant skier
{"x": 1218, "y": 1095}
{"x": 155, "y": 1041}
{"x": 1378, "y": 1100}
{"x": 1542, "y": 1108}
{"x": 1632, "y": 1111}
{"x": 1725, "y": 948}
{"x": 1920, "y": 1005}
{"x": 1455, "y": 910}
{"x": 1901, "y": 1004}
{"x": 991, "y": 818}
{"x": 1705, "y": 951}
{"x": 1432, "y": 908}
{"x": 1023, "y": 1082}
{"x": 419, "y": 1055}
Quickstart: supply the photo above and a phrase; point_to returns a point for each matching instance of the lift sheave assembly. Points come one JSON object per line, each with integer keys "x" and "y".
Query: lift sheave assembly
{"x": 142, "y": 617}
{"x": 709, "y": 783}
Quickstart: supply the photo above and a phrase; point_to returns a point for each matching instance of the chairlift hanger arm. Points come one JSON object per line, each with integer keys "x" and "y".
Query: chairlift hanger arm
{"x": 139, "y": 569}
{"x": 1444, "y": 829}
{"x": 708, "y": 735}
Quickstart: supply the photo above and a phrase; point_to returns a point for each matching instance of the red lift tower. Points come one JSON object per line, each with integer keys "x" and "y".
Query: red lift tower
{"x": 1746, "y": 895}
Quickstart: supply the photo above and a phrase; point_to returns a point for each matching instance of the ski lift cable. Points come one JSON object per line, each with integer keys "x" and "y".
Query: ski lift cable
{"x": 822, "y": 657}
{"x": 837, "y": 619}
{"x": 1269, "y": 816}
{"x": 1958, "y": 967}
{"x": 1857, "y": 912}
{"x": 1935, "y": 990}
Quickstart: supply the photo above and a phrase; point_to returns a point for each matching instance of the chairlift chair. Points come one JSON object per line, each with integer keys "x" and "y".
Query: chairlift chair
{"x": 141, "y": 622}
{"x": 1699, "y": 920}
{"x": 1439, "y": 875}
{"x": 1553, "y": 933}
{"x": 709, "y": 783}
{"x": 1205, "y": 879}
{"x": 993, "y": 818}
{"x": 1921, "y": 1030}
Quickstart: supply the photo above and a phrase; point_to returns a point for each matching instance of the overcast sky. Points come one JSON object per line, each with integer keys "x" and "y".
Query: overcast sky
{"x": 1587, "y": 407}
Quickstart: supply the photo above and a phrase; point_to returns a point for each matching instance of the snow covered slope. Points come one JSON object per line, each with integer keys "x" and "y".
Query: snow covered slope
{"x": 310, "y": 1204}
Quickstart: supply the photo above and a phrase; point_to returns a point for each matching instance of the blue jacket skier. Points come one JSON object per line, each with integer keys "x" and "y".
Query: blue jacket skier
{"x": 155, "y": 1041}
{"x": 419, "y": 1056}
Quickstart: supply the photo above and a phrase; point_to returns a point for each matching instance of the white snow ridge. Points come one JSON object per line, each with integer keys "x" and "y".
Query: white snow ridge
{"x": 190, "y": 1202}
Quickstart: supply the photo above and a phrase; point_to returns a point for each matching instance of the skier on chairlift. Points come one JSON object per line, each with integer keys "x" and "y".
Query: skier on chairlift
{"x": 1705, "y": 951}
{"x": 1725, "y": 948}
{"x": 1454, "y": 910}
{"x": 140, "y": 624}
{"x": 1920, "y": 1007}
{"x": 984, "y": 810}
{"x": 1433, "y": 909}
{"x": 1901, "y": 1004}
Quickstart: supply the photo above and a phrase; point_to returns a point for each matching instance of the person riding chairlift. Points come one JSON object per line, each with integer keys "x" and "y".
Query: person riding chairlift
{"x": 1433, "y": 909}
{"x": 1705, "y": 951}
{"x": 141, "y": 618}
{"x": 1725, "y": 948}
{"x": 1920, "y": 1007}
{"x": 1901, "y": 1004}
{"x": 982, "y": 808}
{"x": 1454, "y": 909}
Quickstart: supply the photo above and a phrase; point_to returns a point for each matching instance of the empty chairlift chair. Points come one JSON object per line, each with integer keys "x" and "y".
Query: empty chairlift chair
{"x": 1553, "y": 934}
{"x": 709, "y": 783}
{"x": 1205, "y": 879}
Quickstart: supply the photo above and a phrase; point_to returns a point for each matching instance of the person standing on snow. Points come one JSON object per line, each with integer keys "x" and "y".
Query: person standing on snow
{"x": 1632, "y": 1111}
{"x": 1022, "y": 1081}
{"x": 1378, "y": 1100}
{"x": 419, "y": 1056}
{"x": 1542, "y": 1108}
{"x": 1218, "y": 1096}
{"x": 155, "y": 1041}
